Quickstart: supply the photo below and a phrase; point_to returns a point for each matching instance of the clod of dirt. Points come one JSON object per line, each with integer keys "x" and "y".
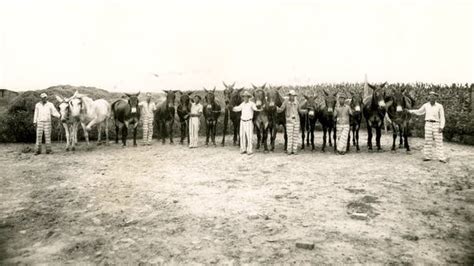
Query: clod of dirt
{"x": 26, "y": 149}
{"x": 359, "y": 216}
{"x": 305, "y": 245}
{"x": 361, "y": 209}
{"x": 355, "y": 190}
{"x": 410, "y": 237}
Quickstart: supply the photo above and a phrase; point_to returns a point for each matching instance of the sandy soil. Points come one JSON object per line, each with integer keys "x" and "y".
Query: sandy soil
{"x": 166, "y": 203}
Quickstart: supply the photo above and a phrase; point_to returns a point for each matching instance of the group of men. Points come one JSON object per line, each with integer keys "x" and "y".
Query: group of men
{"x": 433, "y": 111}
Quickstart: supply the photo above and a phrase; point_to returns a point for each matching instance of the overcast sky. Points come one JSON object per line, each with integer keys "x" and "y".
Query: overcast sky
{"x": 118, "y": 45}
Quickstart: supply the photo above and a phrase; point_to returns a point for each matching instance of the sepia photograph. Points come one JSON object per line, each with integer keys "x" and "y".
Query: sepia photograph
{"x": 305, "y": 132}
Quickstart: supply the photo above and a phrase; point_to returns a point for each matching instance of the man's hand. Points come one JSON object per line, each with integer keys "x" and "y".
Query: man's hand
{"x": 440, "y": 130}
{"x": 34, "y": 124}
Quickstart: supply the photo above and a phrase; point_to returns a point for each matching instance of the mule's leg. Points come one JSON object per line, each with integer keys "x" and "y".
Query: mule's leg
{"x": 334, "y": 137}
{"x": 394, "y": 133}
{"x": 116, "y": 132}
{"x": 135, "y": 134}
{"x": 323, "y": 149}
{"x": 99, "y": 129}
{"x": 66, "y": 131}
{"x": 259, "y": 136}
{"x": 226, "y": 121}
{"x": 86, "y": 133}
{"x": 329, "y": 136}
{"x": 303, "y": 128}
{"x": 214, "y": 127}
{"x": 74, "y": 135}
{"x": 378, "y": 135}
{"x": 285, "y": 136}
{"x": 348, "y": 139}
{"x": 207, "y": 132}
{"x": 163, "y": 131}
{"x": 124, "y": 135}
{"x": 400, "y": 145}
{"x": 357, "y": 137}
{"x": 369, "y": 137}
{"x": 106, "y": 131}
{"x": 405, "y": 135}
{"x": 236, "y": 131}
{"x": 312, "y": 136}
{"x": 171, "y": 131}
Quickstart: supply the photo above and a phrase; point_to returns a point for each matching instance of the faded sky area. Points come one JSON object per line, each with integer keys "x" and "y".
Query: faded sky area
{"x": 119, "y": 45}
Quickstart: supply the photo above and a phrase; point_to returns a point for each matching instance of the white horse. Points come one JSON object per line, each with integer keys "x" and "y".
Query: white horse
{"x": 91, "y": 112}
{"x": 69, "y": 123}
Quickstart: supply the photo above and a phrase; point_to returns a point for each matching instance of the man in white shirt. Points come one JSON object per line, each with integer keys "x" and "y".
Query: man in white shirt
{"x": 194, "y": 115}
{"x": 147, "y": 113}
{"x": 246, "y": 123}
{"x": 42, "y": 121}
{"x": 434, "y": 124}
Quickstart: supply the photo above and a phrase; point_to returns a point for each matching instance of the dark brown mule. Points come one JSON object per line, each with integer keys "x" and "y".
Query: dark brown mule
{"x": 326, "y": 118}
{"x": 212, "y": 111}
{"x": 164, "y": 116}
{"x": 308, "y": 120}
{"x": 355, "y": 120}
{"x": 398, "y": 105}
{"x": 126, "y": 113}
{"x": 183, "y": 110}
{"x": 374, "y": 112}
{"x": 232, "y": 98}
{"x": 275, "y": 119}
{"x": 260, "y": 119}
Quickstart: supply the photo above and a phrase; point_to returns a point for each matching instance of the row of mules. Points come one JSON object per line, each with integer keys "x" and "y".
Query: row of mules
{"x": 398, "y": 105}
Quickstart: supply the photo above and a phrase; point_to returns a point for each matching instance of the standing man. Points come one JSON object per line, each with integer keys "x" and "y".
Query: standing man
{"x": 42, "y": 120}
{"x": 292, "y": 110}
{"x": 246, "y": 123}
{"x": 147, "y": 113}
{"x": 434, "y": 124}
{"x": 194, "y": 115}
{"x": 342, "y": 116}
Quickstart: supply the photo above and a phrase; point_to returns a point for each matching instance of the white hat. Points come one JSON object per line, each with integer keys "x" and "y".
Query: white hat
{"x": 433, "y": 93}
{"x": 43, "y": 95}
{"x": 292, "y": 92}
{"x": 246, "y": 94}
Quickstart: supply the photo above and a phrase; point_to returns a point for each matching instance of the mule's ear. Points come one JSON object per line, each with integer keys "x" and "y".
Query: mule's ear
{"x": 278, "y": 88}
{"x": 179, "y": 92}
{"x": 403, "y": 89}
{"x": 240, "y": 90}
{"x": 263, "y": 87}
{"x": 60, "y": 100}
{"x": 176, "y": 91}
{"x": 137, "y": 94}
{"x": 233, "y": 84}
{"x": 253, "y": 86}
{"x": 305, "y": 96}
{"x": 214, "y": 90}
{"x": 205, "y": 90}
{"x": 383, "y": 84}
{"x": 225, "y": 85}
{"x": 325, "y": 92}
{"x": 189, "y": 93}
{"x": 75, "y": 94}
{"x": 128, "y": 95}
{"x": 372, "y": 86}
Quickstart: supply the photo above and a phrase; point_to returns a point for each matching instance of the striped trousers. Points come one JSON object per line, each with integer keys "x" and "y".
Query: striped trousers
{"x": 433, "y": 141}
{"x": 43, "y": 127}
{"x": 147, "y": 129}
{"x": 342, "y": 133}
{"x": 193, "y": 131}
{"x": 292, "y": 130}
{"x": 246, "y": 136}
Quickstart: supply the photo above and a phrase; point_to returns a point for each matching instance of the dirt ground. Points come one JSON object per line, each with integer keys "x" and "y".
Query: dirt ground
{"x": 211, "y": 205}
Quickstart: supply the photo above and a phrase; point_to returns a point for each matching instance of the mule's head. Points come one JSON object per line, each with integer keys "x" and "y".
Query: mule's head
{"x": 259, "y": 95}
{"x": 330, "y": 101}
{"x": 378, "y": 95}
{"x": 310, "y": 105}
{"x": 356, "y": 103}
{"x": 184, "y": 99}
{"x": 235, "y": 97}
{"x": 133, "y": 102}
{"x": 273, "y": 97}
{"x": 399, "y": 100}
{"x": 75, "y": 105}
{"x": 229, "y": 89}
{"x": 170, "y": 98}
{"x": 63, "y": 108}
{"x": 210, "y": 96}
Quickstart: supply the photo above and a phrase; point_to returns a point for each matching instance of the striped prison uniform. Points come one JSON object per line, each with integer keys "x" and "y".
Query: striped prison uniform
{"x": 148, "y": 109}
{"x": 42, "y": 119}
{"x": 342, "y": 116}
{"x": 246, "y": 125}
{"x": 434, "y": 124}
{"x": 196, "y": 111}
{"x": 292, "y": 110}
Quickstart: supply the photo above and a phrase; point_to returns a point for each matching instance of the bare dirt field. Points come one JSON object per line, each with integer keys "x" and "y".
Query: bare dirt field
{"x": 211, "y": 205}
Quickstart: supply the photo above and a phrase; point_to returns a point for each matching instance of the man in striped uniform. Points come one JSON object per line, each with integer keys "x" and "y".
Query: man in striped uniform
{"x": 342, "y": 115}
{"x": 42, "y": 121}
{"x": 246, "y": 123}
{"x": 434, "y": 124}
{"x": 147, "y": 113}
{"x": 194, "y": 114}
{"x": 292, "y": 110}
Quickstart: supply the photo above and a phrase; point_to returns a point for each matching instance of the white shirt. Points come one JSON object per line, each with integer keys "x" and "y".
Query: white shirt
{"x": 196, "y": 108}
{"x": 432, "y": 112}
{"x": 247, "y": 110}
{"x": 147, "y": 108}
{"x": 43, "y": 112}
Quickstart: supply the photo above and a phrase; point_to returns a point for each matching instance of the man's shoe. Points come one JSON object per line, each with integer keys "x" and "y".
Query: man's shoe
{"x": 49, "y": 152}
{"x": 426, "y": 159}
{"x": 37, "y": 152}
{"x": 443, "y": 161}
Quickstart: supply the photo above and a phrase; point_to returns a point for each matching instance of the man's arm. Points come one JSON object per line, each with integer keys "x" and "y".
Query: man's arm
{"x": 442, "y": 120}
{"x": 35, "y": 116}
{"x": 282, "y": 108}
{"x": 238, "y": 108}
{"x": 420, "y": 111}
{"x": 254, "y": 107}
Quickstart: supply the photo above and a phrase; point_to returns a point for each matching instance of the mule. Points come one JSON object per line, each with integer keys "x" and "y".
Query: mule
{"x": 308, "y": 121}
{"x": 275, "y": 119}
{"x": 126, "y": 115}
{"x": 164, "y": 116}
{"x": 260, "y": 119}
{"x": 398, "y": 105}
{"x": 326, "y": 118}
{"x": 183, "y": 110}
{"x": 355, "y": 120}
{"x": 69, "y": 123}
{"x": 90, "y": 113}
{"x": 374, "y": 112}
{"x": 232, "y": 98}
{"x": 211, "y": 111}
